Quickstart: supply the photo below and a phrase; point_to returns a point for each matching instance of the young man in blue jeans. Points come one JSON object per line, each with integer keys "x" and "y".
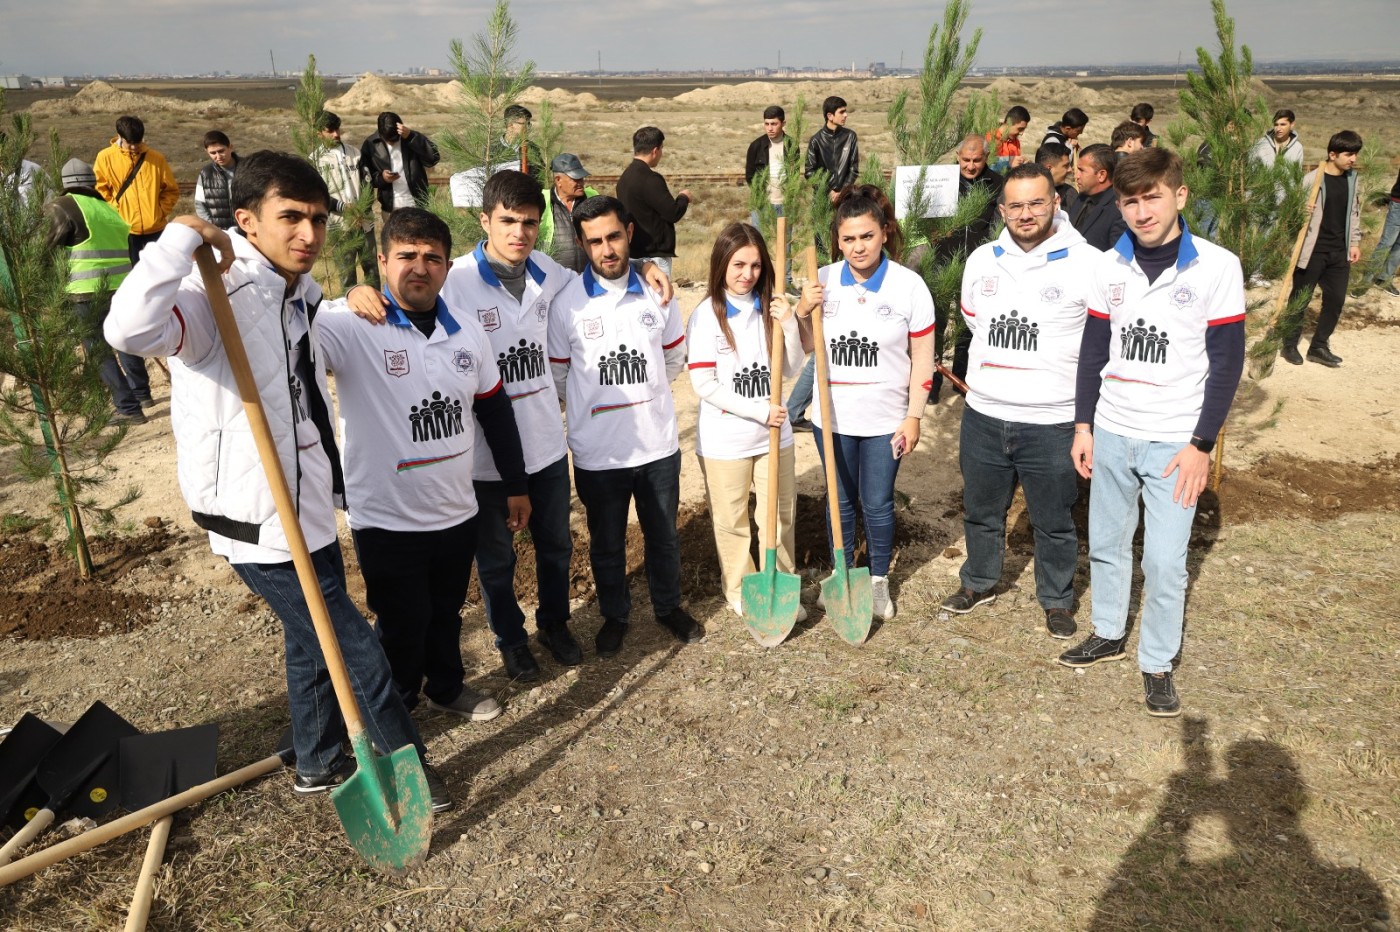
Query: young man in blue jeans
{"x": 1161, "y": 357}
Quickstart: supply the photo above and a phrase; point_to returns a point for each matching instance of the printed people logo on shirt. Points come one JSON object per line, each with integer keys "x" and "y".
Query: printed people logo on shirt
{"x": 592, "y": 328}
{"x": 622, "y": 367}
{"x": 490, "y": 318}
{"x": 435, "y": 419}
{"x": 1141, "y": 343}
{"x": 464, "y": 360}
{"x": 298, "y": 407}
{"x": 1051, "y": 294}
{"x": 522, "y": 362}
{"x": 1115, "y": 294}
{"x": 855, "y": 350}
{"x": 989, "y": 285}
{"x": 752, "y": 382}
{"x": 396, "y": 362}
{"x": 650, "y": 320}
{"x": 1013, "y": 332}
{"x": 1183, "y": 296}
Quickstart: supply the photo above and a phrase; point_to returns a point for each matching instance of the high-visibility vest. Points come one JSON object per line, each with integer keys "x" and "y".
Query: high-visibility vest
{"x": 104, "y": 253}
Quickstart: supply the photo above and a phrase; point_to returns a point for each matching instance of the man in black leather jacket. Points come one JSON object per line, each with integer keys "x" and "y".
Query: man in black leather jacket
{"x": 395, "y": 161}
{"x": 834, "y": 148}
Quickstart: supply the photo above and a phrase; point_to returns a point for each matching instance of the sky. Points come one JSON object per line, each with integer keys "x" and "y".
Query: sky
{"x": 351, "y": 36}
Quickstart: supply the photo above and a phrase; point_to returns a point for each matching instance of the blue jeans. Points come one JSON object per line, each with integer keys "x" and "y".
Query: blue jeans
{"x": 1126, "y": 469}
{"x": 606, "y": 495}
{"x": 800, "y": 398}
{"x": 318, "y": 731}
{"x": 994, "y": 455}
{"x": 495, "y": 553}
{"x": 865, "y": 472}
{"x": 123, "y": 398}
{"x": 1388, "y": 248}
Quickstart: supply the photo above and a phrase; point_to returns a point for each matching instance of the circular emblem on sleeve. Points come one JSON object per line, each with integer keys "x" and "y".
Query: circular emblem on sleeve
{"x": 464, "y": 360}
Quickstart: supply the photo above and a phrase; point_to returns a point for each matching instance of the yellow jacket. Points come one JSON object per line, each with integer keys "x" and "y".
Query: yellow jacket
{"x": 147, "y": 203}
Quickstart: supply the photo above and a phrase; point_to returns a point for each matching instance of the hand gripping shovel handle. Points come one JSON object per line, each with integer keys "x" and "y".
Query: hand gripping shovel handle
{"x": 277, "y": 480}
{"x": 140, "y": 909}
{"x": 138, "y": 819}
{"x": 824, "y": 394}
{"x": 775, "y": 382}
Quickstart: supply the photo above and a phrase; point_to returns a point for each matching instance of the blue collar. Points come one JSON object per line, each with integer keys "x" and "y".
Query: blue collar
{"x": 488, "y": 275}
{"x": 734, "y": 310}
{"x": 872, "y": 283}
{"x": 595, "y": 290}
{"x": 1186, "y": 252}
{"x": 1051, "y": 256}
{"x": 398, "y": 318}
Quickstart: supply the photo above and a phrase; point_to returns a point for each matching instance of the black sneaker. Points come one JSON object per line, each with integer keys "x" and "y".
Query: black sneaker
{"x": 560, "y": 643}
{"x": 802, "y": 425}
{"x": 147, "y": 402}
{"x": 965, "y": 600}
{"x": 310, "y": 786}
{"x": 1094, "y": 650}
{"x": 520, "y": 663}
{"x": 437, "y": 789}
{"x": 678, "y": 622}
{"x": 134, "y": 417}
{"x": 609, "y": 639}
{"x": 1290, "y": 354}
{"x": 1388, "y": 287}
{"x": 1324, "y": 357}
{"x": 1162, "y": 700}
{"x": 1060, "y": 623}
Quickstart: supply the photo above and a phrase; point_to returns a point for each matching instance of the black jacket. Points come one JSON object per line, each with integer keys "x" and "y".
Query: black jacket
{"x": 419, "y": 155}
{"x": 1097, "y": 219}
{"x": 654, "y": 211}
{"x": 838, "y": 152}
{"x": 757, "y": 158}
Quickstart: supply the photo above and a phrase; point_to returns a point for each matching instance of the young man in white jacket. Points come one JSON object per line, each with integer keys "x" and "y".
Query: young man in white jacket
{"x": 281, "y": 205}
{"x": 1023, "y": 297}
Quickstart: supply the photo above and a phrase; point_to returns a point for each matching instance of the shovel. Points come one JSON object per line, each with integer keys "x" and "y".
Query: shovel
{"x": 20, "y": 753}
{"x": 79, "y": 774}
{"x": 846, "y": 592}
{"x": 384, "y": 807}
{"x": 771, "y": 599}
{"x": 153, "y": 768}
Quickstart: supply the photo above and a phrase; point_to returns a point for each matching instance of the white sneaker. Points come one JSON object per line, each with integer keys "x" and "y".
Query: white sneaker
{"x": 801, "y": 612}
{"x": 882, "y": 606}
{"x": 737, "y": 609}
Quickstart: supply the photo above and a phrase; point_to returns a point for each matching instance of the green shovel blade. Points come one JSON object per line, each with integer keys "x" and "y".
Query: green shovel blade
{"x": 848, "y": 600}
{"x": 385, "y": 807}
{"x": 771, "y": 600}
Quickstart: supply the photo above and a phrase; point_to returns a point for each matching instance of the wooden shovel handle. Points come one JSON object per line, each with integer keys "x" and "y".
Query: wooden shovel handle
{"x": 824, "y": 394}
{"x": 277, "y": 480}
{"x": 130, "y": 823}
{"x": 775, "y": 383}
{"x": 30, "y": 831}
{"x": 140, "y": 909}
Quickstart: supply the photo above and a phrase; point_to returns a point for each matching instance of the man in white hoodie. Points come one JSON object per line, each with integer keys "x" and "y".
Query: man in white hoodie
{"x": 1023, "y": 297}
{"x": 1281, "y": 142}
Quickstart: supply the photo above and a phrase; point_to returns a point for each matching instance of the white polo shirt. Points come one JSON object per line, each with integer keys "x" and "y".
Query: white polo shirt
{"x": 867, "y": 328}
{"x": 733, "y": 424}
{"x": 1026, "y": 314}
{"x": 614, "y": 341}
{"x": 518, "y": 333}
{"x": 1154, "y": 383}
{"x": 407, "y": 431}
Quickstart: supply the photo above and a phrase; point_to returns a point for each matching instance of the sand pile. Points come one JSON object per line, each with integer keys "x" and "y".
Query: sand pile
{"x": 101, "y": 97}
{"x": 1051, "y": 97}
{"x": 759, "y": 94}
{"x": 373, "y": 93}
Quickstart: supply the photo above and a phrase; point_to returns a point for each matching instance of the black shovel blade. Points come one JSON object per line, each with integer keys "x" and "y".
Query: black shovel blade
{"x": 20, "y": 753}
{"x": 155, "y": 767}
{"x": 80, "y": 773}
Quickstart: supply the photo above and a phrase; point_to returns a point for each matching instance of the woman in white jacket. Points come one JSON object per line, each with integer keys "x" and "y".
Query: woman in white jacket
{"x": 730, "y": 336}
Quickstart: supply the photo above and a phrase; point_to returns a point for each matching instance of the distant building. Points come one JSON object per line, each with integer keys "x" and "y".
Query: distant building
{"x": 15, "y": 82}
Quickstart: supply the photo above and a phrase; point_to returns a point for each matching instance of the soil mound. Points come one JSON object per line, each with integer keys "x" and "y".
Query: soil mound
{"x": 373, "y": 93}
{"x": 101, "y": 97}
{"x": 751, "y": 94}
{"x": 1054, "y": 94}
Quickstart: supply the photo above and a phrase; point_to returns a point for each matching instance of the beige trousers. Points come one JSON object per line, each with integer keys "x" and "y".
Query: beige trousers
{"x": 727, "y": 485}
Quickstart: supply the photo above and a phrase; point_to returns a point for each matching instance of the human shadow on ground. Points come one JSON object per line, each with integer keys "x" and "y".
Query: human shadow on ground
{"x": 1261, "y": 872}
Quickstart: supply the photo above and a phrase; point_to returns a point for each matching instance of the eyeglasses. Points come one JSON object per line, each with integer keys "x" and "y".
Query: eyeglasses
{"x": 1037, "y": 208}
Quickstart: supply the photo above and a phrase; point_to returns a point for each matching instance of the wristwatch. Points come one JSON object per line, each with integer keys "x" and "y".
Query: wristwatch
{"x": 1205, "y": 446}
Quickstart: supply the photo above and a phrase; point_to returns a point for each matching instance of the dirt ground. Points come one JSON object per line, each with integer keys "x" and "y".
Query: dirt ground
{"x": 948, "y": 774}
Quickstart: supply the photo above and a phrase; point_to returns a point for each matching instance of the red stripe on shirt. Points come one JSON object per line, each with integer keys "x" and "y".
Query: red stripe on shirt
{"x": 565, "y": 360}
{"x": 1099, "y": 314}
{"x": 1225, "y": 320}
{"x": 702, "y": 365}
{"x": 181, "y": 318}
{"x": 966, "y": 312}
{"x": 678, "y": 342}
{"x": 924, "y": 332}
{"x": 499, "y": 383}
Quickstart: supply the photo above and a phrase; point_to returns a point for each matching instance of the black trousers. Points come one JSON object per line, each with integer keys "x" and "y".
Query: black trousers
{"x": 1332, "y": 271}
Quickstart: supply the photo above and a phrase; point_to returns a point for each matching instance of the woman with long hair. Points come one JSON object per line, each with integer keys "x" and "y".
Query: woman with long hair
{"x": 878, "y": 320}
{"x": 730, "y": 339}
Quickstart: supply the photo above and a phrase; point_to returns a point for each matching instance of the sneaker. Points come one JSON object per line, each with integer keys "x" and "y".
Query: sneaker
{"x": 609, "y": 639}
{"x": 437, "y": 789}
{"x": 1162, "y": 700}
{"x": 881, "y": 605}
{"x": 736, "y": 608}
{"x": 560, "y": 643}
{"x": 1388, "y": 287}
{"x": 1324, "y": 357}
{"x": 1291, "y": 354}
{"x": 802, "y": 425}
{"x": 148, "y": 402}
{"x": 310, "y": 786}
{"x": 471, "y": 705}
{"x": 965, "y": 600}
{"x": 1094, "y": 650}
{"x": 520, "y": 663}
{"x": 135, "y": 417}
{"x": 1060, "y": 623}
{"x": 678, "y": 622}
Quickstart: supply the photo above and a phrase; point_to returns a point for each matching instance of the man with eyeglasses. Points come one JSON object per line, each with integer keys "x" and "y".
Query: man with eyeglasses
{"x": 1024, "y": 301}
{"x": 517, "y": 134}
